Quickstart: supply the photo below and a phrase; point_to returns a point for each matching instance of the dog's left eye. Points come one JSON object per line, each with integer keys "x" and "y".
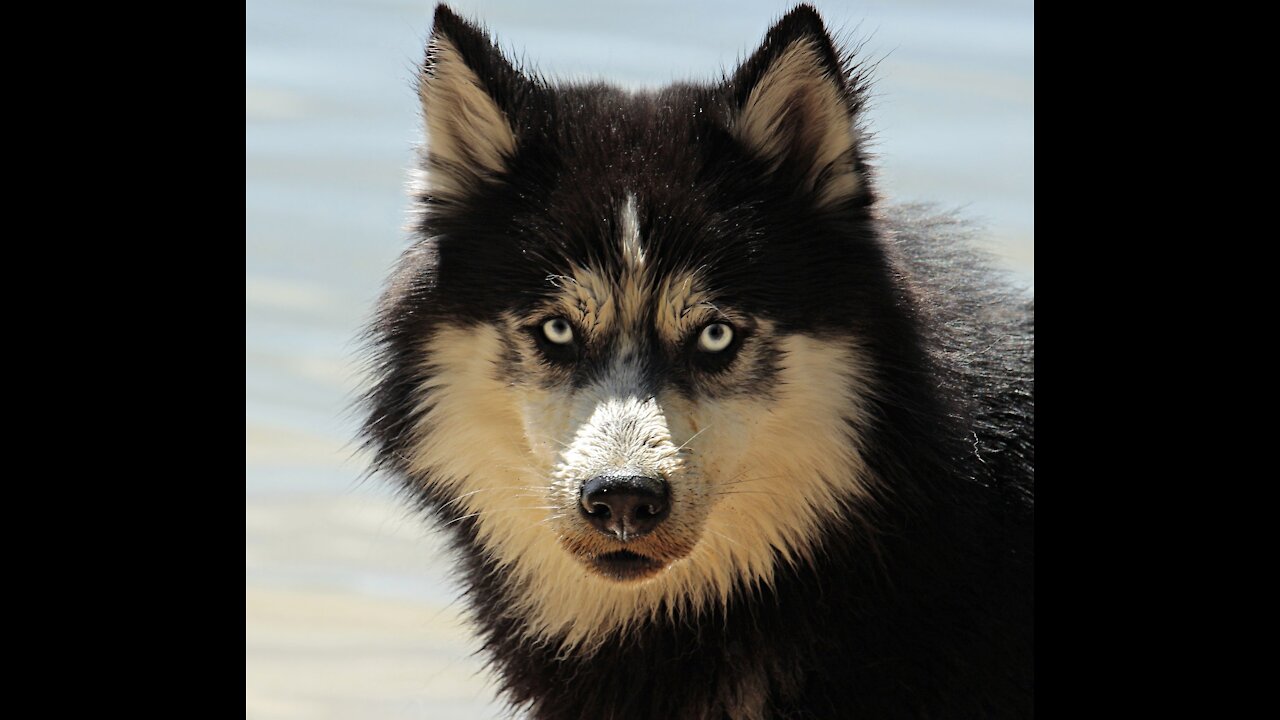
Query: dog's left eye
{"x": 558, "y": 331}
{"x": 715, "y": 338}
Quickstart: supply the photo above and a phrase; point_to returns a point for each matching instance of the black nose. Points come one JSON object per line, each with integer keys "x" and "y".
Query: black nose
{"x": 625, "y": 507}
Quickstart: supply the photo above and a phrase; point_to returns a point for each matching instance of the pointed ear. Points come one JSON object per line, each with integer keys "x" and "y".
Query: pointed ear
{"x": 467, "y": 89}
{"x": 795, "y": 105}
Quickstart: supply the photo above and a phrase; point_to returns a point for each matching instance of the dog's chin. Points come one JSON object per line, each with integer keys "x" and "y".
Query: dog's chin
{"x": 625, "y": 566}
{"x": 626, "y": 563}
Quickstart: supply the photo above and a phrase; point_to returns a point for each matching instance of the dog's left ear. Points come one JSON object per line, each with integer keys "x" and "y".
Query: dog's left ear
{"x": 795, "y": 105}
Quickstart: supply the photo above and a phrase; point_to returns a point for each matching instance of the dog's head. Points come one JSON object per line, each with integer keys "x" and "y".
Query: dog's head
{"x": 626, "y": 356}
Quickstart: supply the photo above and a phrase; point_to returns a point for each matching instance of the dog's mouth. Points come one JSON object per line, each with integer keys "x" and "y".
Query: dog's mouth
{"x": 625, "y": 565}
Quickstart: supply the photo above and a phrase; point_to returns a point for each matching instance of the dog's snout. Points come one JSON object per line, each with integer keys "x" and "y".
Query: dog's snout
{"x": 625, "y": 506}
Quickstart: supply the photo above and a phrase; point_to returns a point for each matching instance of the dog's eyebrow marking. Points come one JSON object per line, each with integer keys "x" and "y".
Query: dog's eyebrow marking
{"x": 588, "y": 298}
{"x": 681, "y": 305}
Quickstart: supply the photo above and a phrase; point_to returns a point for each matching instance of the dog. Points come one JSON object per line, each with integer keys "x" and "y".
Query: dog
{"x": 714, "y": 430}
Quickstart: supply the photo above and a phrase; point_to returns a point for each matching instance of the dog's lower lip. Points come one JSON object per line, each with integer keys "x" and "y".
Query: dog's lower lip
{"x": 625, "y": 565}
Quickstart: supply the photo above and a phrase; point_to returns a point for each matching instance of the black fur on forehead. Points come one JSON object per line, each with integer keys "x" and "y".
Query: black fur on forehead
{"x": 705, "y": 199}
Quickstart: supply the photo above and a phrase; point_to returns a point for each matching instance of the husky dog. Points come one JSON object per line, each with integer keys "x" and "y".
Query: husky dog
{"x": 715, "y": 433}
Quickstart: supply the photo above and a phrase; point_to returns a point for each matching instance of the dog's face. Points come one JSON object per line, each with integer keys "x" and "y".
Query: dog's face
{"x": 624, "y": 354}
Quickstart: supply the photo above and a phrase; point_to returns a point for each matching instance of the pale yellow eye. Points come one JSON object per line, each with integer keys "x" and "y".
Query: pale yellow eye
{"x": 715, "y": 337}
{"x": 558, "y": 331}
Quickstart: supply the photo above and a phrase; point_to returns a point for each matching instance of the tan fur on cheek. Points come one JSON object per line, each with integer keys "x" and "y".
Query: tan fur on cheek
{"x": 776, "y": 465}
{"x": 471, "y": 440}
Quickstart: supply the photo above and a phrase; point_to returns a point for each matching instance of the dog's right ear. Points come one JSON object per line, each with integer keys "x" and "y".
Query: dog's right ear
{"x": 468, "y": 92}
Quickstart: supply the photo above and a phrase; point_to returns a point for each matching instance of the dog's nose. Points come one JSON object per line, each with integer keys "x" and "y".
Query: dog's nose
{"x": 625, "y": 506}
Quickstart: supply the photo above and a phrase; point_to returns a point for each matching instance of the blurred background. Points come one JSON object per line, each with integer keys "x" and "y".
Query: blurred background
{"x": 349, "y": 608}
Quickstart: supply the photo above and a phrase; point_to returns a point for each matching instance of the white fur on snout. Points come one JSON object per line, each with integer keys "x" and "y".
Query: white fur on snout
{"x": 629, "y": 436}
{"x": 620, "y": 434}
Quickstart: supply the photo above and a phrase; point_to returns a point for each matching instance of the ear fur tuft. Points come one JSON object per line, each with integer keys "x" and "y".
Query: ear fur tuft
{"x": 462, "y": 85}
{"x": 796, "y": 107}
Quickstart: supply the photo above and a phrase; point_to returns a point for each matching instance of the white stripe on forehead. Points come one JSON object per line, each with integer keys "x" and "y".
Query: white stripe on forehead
{"x": 635, "y": 289}
{"x": 632, "y": 251}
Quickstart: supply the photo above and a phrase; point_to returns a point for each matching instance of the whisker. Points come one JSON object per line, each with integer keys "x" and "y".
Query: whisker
{"x": 686, "y": 442}
{"x": 748, "y": 492}
{"x": 742, "y": 478}
{"x": 500, "y": 511}
{"x": 726, "y": 537}
{"x": 463, "y": 496}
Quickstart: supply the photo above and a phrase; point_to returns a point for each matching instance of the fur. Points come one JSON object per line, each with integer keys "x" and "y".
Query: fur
{"x": 848, "y": 524}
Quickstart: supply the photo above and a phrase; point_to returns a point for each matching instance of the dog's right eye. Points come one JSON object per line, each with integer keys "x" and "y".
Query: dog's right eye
{"x": 558, "y": 331}
{"x": 557, "y": 341}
